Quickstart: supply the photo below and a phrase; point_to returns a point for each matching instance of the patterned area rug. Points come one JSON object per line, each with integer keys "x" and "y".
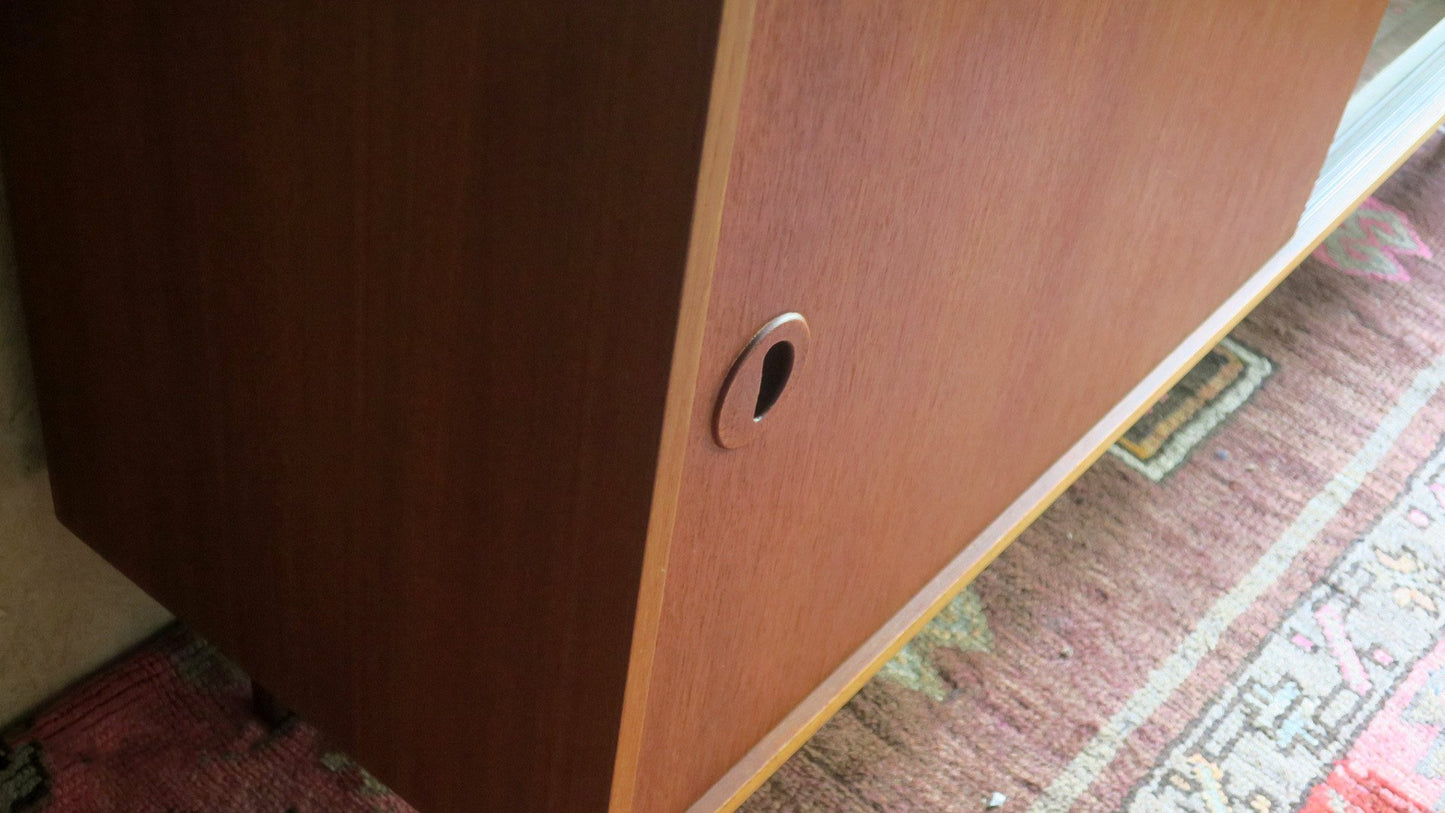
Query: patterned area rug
{"x": 172, "y": 728}
{"x": 1240, "y": 609}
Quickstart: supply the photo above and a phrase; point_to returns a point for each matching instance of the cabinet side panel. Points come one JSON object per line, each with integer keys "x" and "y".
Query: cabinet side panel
{"x": 997, "y": 217}
{"x": 352, "y": 325}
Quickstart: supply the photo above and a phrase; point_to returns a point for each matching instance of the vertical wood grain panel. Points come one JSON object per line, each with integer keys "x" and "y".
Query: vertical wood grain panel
{"x": 734, "y": 34}
{"x": 352, "y": 324}
{"x": 997, "y": 216}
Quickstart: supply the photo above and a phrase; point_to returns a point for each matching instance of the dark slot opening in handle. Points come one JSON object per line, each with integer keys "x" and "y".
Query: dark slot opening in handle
{"x": 777, "y": 368}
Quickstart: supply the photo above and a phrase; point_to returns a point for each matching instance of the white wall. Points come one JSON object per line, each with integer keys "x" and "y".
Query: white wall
{"x": 63, "y": 611}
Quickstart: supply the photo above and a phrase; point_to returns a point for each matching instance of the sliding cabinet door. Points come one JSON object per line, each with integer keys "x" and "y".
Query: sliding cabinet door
{"x": 995, "y": 216}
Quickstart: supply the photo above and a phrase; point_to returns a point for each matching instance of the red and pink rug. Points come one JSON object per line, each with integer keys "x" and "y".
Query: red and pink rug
{"x": 172, "y": 728}
{"x": 1239, "y": 609}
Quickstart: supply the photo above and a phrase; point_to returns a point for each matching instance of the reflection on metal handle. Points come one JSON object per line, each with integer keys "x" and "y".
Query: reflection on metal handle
{"x": 759, "y": 378}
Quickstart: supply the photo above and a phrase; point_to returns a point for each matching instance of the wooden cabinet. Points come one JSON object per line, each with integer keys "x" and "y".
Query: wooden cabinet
{"x": 382, "y": 342}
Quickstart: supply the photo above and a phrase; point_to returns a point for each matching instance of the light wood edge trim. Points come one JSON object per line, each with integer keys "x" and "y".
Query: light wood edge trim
{"x": 729, "y": 67}
{"x": 788, "y": 736}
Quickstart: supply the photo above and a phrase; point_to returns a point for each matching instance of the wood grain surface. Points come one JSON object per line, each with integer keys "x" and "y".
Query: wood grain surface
{"x": 1353, "y": 183}
{"x": 352, "y": 324}
{"x": 998, "y": 217}
{"x": 734, "y": 35}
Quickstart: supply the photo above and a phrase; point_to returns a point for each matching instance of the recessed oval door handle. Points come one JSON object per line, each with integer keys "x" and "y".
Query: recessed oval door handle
{"x": 759, "y": 378}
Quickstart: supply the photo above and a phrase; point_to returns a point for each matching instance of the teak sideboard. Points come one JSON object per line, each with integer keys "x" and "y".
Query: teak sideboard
{"x": 567, "y": 405}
